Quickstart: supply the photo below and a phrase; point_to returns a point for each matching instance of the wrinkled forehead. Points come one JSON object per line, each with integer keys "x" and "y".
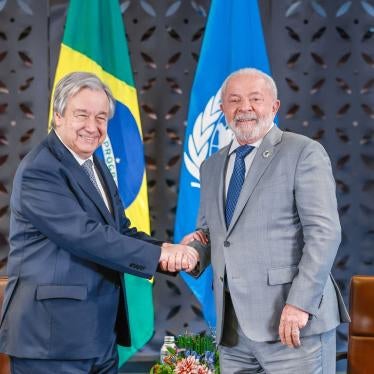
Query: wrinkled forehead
{"x": 85, "y": 90}
{"x": 89, "y": 96}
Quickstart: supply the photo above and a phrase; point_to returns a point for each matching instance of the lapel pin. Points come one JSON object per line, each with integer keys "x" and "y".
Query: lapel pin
{"x": 266, "y": 154}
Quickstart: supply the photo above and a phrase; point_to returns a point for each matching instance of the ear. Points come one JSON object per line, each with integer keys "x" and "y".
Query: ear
{"x": 275, "y": 107}
{"x": 58, "y": 119}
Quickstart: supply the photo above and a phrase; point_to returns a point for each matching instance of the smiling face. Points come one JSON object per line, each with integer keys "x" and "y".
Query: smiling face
{"x": 249, "y": 106}
{"x": 83, "y": 125}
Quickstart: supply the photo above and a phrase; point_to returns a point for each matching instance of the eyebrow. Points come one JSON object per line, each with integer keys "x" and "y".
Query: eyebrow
{"x": 255, "y": 93}
{"x": 250, "y": 94}
{"x": 80, "y": 110}
{"x": 86, "y": 111}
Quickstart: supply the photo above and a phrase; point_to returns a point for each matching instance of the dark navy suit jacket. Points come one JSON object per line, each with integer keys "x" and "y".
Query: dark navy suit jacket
{"x": 65, "y": 297}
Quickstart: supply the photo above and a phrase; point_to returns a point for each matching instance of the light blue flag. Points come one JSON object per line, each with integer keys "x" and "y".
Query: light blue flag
{"x": 233, "y": 39}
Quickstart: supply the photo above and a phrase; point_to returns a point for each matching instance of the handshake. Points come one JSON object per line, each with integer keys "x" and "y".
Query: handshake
{"x": 177, "y": 257}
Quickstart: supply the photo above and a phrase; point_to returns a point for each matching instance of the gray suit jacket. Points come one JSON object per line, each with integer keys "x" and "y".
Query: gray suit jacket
{"x": 282, "y": 240}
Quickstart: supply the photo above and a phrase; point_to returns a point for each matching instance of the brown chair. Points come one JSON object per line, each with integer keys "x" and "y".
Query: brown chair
{"x": 4, "y": 359}
{"x": 361, "y": 329}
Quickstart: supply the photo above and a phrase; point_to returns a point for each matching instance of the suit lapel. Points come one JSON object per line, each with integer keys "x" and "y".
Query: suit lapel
{"x": 67, "y": 159}
{"x": 222, "y": 165}
{"x": 264, "y": 156}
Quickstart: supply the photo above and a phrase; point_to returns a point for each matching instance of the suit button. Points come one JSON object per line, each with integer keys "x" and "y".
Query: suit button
{"x": 226, "y": 243}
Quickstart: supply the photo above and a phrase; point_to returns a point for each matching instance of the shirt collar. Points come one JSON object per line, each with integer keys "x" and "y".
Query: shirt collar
{"x": 235, "y": 144}
{"x": 80, "y": 160}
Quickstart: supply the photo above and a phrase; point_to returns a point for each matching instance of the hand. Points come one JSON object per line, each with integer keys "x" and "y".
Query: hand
{"x": 292, "y": 320}
{"x": 176, "y": 257}
{"x": 196, "y": 235}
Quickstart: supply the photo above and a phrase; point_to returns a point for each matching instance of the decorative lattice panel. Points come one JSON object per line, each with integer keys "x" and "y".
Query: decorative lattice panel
{"x": 23, "y": 92}
{"x": 321, "y": 54}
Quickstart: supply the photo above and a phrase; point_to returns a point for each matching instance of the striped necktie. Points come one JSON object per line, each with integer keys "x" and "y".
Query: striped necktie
{"x": 88, "y": 168}
{"x": 236, "y": 181}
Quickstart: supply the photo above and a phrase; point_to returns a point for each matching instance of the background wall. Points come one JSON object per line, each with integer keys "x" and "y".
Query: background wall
{"x": 321, "y": 55}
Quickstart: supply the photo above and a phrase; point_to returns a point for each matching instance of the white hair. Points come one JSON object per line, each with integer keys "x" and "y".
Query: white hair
{"x": 71, "y": 84}
{"x": 269, "y": 81}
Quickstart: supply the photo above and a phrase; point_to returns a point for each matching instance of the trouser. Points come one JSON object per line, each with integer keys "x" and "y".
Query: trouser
{"x": 239, "y": 354}
{"x": 106, "y": 364}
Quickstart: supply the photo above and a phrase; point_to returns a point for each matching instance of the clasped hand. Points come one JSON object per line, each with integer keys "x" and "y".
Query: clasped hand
{"x": 196, "y": 235}
{"x": 176, "y": 257}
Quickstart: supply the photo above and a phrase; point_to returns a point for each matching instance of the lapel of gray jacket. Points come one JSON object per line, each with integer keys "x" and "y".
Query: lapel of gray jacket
{"x": 221, "y": 171}
{"x": 264, "y": 155}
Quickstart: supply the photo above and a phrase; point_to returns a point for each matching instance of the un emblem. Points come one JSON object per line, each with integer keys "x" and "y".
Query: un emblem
{"x": 209, "y": 134}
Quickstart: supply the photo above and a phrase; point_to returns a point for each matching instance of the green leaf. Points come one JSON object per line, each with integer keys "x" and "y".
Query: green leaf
{"x": 171, "y": 350}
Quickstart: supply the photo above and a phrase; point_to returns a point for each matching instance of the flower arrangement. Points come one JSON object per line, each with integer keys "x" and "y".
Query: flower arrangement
{"x": 195, "y": 354}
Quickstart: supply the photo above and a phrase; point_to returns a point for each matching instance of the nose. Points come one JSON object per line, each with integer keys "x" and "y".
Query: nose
{"x": 91, "y": 125}
{"x": 246, "y": 105}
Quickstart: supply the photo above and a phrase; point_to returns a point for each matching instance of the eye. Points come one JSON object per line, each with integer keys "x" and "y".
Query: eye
{"x": 234, "y": 100}
{"x": 81, "y": 116}
{"x": 101, "y": 119}
{"x": 256, "y": 100}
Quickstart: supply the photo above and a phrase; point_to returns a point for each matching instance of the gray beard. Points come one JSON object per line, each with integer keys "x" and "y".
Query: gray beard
{"x": 248, "y": 134}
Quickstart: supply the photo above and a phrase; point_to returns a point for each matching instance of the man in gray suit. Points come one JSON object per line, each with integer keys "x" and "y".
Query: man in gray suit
{"x": 268, "y": 209}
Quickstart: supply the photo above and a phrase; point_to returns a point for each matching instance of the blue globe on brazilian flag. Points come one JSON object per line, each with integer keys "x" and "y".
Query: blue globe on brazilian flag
{"x": 94, "y": 41}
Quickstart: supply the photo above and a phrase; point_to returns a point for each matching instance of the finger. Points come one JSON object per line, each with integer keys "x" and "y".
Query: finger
{"x": 187, "y": 239}
{"x": 192, "y": 262}
{"x": 164, "y": 265}
{"x": 304, "y": 320}
{"x": 185, "y": 263}
{"x": 163, "y": 261}
{"x": 196, "y": 236}
{"x": 178, "y": 260}
{"x": 200, "y": 236}
{"x": 295, "y": 335}
{"x": 281, "y": 332}
{"x": 171, "y": 263}
{"x": 192, "y": 252}
{"x": 190, "y": 267}
{"x": 287, "y": 334}
{"x": 192, "y": 258}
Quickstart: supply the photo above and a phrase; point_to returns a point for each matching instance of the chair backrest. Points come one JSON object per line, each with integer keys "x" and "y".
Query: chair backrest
{"x": 361, "y": 329}
{"x": 4, "y": 359}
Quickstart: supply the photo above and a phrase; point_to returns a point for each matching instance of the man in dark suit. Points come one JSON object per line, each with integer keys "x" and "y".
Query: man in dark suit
{"x": 65, "y": 308}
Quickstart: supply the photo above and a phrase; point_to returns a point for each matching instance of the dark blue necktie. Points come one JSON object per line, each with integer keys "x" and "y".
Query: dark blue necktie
{"x": 236, "y": 181}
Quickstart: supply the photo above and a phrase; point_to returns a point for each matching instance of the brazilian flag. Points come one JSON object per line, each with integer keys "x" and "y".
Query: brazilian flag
{"x": 94, "y": 41}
